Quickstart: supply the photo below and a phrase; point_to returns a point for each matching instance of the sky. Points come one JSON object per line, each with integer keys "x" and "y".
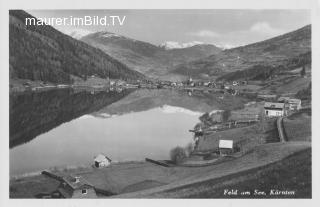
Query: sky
{"x": 224, "y": 28}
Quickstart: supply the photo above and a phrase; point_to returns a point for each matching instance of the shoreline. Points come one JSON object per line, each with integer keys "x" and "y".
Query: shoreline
{"x": 69, "y": 169}
{"x": 178, "y": 176}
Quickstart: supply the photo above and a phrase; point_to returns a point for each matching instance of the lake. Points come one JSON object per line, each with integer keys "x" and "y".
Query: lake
{"x": 63, "y": 128}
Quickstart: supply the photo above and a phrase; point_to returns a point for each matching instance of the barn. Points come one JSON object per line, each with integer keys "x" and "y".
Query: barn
{"x": 101, "y": 161}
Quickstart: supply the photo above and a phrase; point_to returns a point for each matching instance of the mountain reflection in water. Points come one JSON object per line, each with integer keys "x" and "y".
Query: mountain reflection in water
{"x": 66, "y": 128}
{"x": 32, "y": 114}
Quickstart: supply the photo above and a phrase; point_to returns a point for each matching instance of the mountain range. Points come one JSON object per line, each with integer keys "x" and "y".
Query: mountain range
{"x": 290, "y": 49}
{"x": 151, "y": 60}
{"x": 44, "y": 53}
{"x": 205, "y": 61}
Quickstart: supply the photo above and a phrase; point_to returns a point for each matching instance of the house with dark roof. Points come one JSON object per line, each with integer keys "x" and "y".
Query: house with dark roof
{"x": 272, "y": 109}
{"x": 76, "y": 187}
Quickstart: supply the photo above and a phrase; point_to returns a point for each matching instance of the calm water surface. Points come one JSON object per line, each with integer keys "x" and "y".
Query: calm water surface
{"x": 65, "y": 128}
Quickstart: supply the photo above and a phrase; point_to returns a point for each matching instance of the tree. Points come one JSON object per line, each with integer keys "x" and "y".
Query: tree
{"x": 178, "y": 154}
{"x": 303, "y": 71}
{"x": 205, "y": 118}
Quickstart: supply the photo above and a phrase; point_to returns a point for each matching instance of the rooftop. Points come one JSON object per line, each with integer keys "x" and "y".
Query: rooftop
{"x": 267, "y": 95}
{"x": 101, "y": 157}
{"x": 76, "y": 182}
{"x": 283, "y": 98}
{"x": 274, "y": 105}
{"x": 294, "y": 100}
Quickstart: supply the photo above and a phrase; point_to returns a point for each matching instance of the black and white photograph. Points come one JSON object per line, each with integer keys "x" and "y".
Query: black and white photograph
{"x": 121, "y": 103}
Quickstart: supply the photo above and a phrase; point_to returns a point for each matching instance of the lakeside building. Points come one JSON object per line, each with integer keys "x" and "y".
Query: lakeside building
{"x": 101, "y": 161}
{"x": 274, "y": 109}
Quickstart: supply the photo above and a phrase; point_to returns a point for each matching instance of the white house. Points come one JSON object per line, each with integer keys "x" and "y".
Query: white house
{"x": 206, "y": 83}
{"x": 225, "y": 147}
{"x": 173, "y": 84}
{"x": 235, "y": 83}
{"x": 101, "y": 161}
{"x": 274, "y": 109}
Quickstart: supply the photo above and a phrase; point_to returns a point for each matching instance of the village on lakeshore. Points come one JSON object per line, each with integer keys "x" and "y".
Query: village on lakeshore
{"x": 103, "y": 115}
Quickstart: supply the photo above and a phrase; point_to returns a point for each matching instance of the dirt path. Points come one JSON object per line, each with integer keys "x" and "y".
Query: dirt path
{"x": 282, "y": 135}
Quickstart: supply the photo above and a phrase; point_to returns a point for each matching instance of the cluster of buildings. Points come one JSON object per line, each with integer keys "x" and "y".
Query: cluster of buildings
{"x": 163, "y": 84}
{"x": 282, "y": 107}
{"x": 94, "y": 82}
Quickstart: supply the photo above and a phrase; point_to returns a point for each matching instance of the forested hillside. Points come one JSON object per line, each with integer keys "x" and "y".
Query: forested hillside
{"x": 44, "y": 53}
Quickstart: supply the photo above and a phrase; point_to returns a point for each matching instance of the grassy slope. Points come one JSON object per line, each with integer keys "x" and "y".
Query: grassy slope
{"x": 31, "y": 186}
{"x": 298, "y": 126}
{"x": 259, "y": 157}
{"x": 292, "y": 173}
{"x": 289, "y": 85}
{"x": 126, "y": 177}
{"x": 295, "y": 85}
{"x": 246, "y": 137}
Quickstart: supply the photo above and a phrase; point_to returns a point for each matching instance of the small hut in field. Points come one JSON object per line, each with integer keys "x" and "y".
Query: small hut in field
{"x": 225, "y": 147}
{"x": 101, "y": 161}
